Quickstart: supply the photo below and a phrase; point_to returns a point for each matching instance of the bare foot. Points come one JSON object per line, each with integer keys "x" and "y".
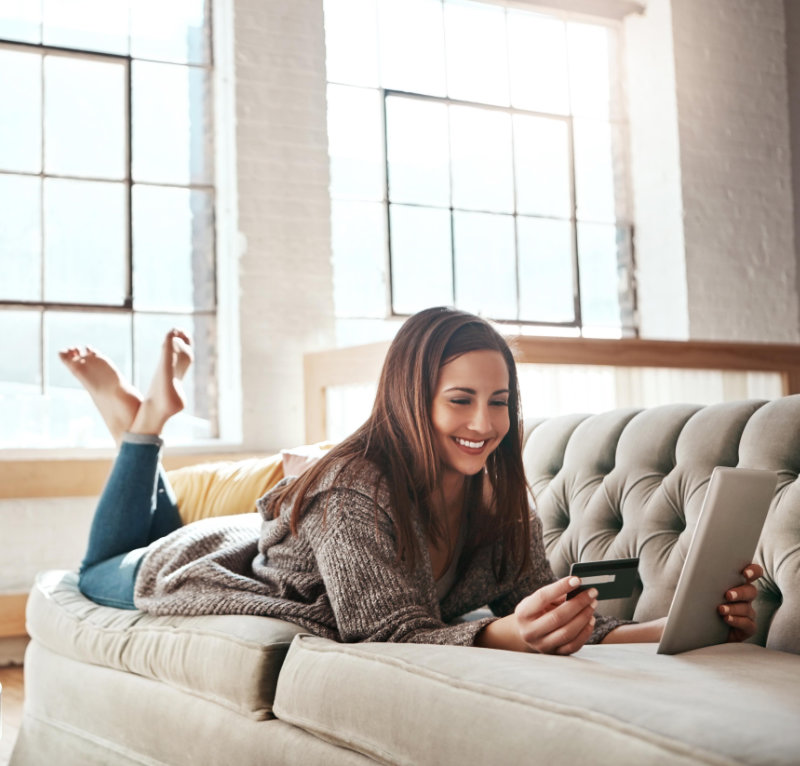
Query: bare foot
{"x": 166, "y": 396}
{"x": 117, "y": 400}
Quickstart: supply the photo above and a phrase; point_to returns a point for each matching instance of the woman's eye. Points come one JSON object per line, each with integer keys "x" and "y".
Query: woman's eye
{"x": 499, "y": 403}
{"x": 459, "y": 401}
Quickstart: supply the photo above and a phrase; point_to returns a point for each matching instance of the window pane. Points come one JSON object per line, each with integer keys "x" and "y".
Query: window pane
{"x": 418, "y": 151}
{"x": 67, "y": 416}
{"x": 541, "y": 154}
{"x": 601, "y": 187}
{"x": 21, "y": 20}
{"x": 601, "y": 256}
{"x": 85, "y": 108}
{"x": 198, "y": 419}
{"x": 477, "y": 57}
{"x": 85, "y": 226}
{"x": 481, "y": 157}
{"x": 538, "y": 62}
{"x": 173, "y": 249}
{"x": 411, "y": 46}
{"x": 20, "y": 238}
{"x": 355, "y": 144}
{"x": 98, "y": 25}
{"x": 171, "y": 124}
{"x": 358, "y": 241}
{"x": 351, "y": 42}
{"x": 109, "y": 333}
{"x": 20, "y": 111}
{"x": 422, "y": 273}
{"x": 545, "y": 270}
{"x": 170, "y": 31}
{"x": 486, "y": 279}
{"x": 593, "y": 69}
{"x": 20, "y": 363}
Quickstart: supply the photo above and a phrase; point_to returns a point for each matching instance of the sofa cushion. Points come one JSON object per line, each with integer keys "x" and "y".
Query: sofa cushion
{"x": 610, "y": 704}
{"x": 233, "y": 660}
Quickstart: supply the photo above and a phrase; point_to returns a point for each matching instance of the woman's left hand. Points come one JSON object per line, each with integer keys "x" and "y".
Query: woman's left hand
{"x": 737, "y": 611}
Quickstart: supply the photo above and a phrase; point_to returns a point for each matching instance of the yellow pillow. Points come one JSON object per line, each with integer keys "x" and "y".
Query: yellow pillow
{"x": 233, "y": 486}
{"x": 224, "y": 488}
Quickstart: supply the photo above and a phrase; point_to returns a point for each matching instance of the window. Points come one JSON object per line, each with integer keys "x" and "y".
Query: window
{"x": 478, "y": 158}
{"x": 107, "y": 205}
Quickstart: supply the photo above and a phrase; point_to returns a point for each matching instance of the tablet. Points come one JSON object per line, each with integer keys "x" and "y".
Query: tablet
{"x": 723, "y": 543}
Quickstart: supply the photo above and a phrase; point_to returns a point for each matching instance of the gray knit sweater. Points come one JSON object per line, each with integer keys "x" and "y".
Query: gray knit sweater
{"x": 338, "y": 577}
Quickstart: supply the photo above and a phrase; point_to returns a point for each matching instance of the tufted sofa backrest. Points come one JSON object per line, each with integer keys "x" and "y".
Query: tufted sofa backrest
{"x": 632, "y": 482}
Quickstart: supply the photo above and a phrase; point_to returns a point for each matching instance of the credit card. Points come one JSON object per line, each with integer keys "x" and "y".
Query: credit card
{"x": 614, "y": 578}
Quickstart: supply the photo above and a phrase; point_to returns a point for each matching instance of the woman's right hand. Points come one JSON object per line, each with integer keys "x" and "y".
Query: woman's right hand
{"x": 548, "y": 623}
{"x": 545, "y": 621}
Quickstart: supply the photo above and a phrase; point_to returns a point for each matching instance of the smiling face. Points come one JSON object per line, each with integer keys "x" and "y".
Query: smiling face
{"x": 469, "y": 411}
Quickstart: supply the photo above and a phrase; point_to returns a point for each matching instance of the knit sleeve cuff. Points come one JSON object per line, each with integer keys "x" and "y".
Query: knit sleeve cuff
{"x": 604, "y": 626}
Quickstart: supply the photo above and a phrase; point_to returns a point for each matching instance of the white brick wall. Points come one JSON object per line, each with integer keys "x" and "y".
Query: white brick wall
{"x": 792, "y": 16}
{"x": 735, "y": 165}
{"x": 731, "y": 111}
{"x": 286, "y": 304}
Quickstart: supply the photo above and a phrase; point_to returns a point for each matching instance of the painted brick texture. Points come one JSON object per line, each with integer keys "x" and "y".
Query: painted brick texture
{"x": 286, "y": 304}
{"x": 733, "y": 121}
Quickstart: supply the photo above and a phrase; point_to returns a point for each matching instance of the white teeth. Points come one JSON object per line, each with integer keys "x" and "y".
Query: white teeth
{"x": 470, "y": 445}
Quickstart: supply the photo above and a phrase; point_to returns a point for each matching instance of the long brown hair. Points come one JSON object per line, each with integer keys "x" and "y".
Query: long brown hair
{"x": 398, "y": 438}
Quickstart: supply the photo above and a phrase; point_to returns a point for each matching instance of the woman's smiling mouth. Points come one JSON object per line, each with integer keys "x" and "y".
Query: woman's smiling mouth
{"x": 468, "y": 444}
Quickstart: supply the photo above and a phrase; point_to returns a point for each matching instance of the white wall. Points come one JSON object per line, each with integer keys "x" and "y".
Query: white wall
{"x": 729, "y": 198}
{"x": 286, "y": 302}
{"x": 46, "y": 533}
{"x": 792, "y": 16}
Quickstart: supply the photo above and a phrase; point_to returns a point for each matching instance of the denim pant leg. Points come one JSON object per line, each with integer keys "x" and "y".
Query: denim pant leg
{"x": 136, "y": 507}
{"x": 165, "y": 518}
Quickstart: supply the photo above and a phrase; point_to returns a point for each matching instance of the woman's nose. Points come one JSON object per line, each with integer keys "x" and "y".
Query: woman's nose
{"x": 480, "y": 422}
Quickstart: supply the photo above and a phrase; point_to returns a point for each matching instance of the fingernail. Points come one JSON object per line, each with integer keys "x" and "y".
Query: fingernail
{"x": 593, "y": 593}
{"x": 592, "y": 621}
{"x": 725, "y": 609}
{"x": 594, "y": 604}
{"x": 748, "y": 573}
{"x": 574, "y": 582}
{"x": 734, "y": 595}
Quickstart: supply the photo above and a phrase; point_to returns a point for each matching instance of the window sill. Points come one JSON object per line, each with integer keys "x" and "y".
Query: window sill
{"x": 60, "y": 473}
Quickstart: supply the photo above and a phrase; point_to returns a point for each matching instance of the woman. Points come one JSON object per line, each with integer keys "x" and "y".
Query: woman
{"x": 419, "y": 517}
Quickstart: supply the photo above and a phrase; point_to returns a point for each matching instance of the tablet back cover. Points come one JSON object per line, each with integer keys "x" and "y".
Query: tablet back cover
{"x": 724, "y": 542}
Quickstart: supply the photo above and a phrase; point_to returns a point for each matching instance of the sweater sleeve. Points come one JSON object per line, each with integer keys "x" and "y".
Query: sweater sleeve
{"x": 538, "y": 574}
{"x": 373, "y": 596}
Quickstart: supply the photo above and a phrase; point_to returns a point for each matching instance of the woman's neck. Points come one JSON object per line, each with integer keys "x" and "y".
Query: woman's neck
{"x": 451, "y": 495}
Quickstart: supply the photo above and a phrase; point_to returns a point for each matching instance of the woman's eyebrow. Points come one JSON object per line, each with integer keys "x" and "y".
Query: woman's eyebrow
{"x": 473, "y": 391}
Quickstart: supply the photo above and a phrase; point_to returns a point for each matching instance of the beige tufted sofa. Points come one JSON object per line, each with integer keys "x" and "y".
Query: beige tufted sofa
{"x": 111, "y": 687}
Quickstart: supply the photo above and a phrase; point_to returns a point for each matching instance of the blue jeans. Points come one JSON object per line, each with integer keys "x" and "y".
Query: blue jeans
{"x": 137, "y": 506}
